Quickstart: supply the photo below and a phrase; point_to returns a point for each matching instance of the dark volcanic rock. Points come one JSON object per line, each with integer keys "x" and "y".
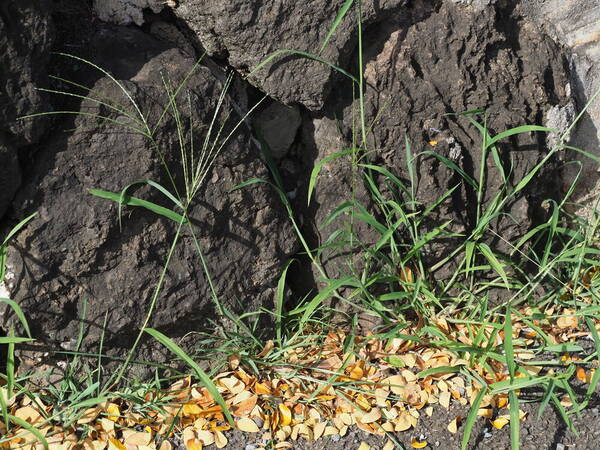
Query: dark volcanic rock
{"x": 74, "y": 252}
{"x": 10, "y": 174}
{"x": 421, "y": 66}
{"x": 246, "y": 32}
{"x": 26, "y": 37}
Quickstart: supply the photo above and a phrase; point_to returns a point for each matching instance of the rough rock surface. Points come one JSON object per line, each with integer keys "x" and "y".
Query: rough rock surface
{"x": 10, "y": 174}
{"x": 74, "y": 251}
{"x": 247, "y": 32}
{"x": 577, "y": 26}
{"x": 278, "y": 125}
{"x": 26, "y": 36}
{"x": 125, "y": 12}
{"x": 470, "y": 60}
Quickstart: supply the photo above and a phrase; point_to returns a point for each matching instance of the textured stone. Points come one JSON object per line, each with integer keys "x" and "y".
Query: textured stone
{"x": 125, "y": 12}
{"x": 26, "y": 37}
{"x": 74, "y": 251}
{"x": 577, "y": 26}
{"x": 278, "y": 125}
{"x": 470, "y": 60}
{"x": 247, "y": 32}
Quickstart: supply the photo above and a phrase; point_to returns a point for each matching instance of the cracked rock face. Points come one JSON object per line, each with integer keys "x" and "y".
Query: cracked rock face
{"x": 470, "y": 60}
{"x": 74, "y": 252}
{"x": 247, "y": 32}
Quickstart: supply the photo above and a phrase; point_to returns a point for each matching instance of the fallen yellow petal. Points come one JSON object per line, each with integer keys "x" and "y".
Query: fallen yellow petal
{"x": 114, "y": 444}
{"x": 247, "y": 425}
{"x": 500, "y": 422}
{"x": 113, "y": 412}
{"x": 414, "y": 443}
{"x": 285, "y": 415}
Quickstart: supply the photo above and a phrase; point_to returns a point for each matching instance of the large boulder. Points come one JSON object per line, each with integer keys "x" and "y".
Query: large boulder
{"x": 75, "y": 253}
{"x": 247, "y": 32}
{"x": 422, "y": 65}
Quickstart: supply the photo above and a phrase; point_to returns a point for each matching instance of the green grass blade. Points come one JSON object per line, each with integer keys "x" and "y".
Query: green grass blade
{"x": 27, "y": 426}
{"x": 514, "y": 420}
{"x": 315, "y": 172}
{"x": 134, "y": 201}
{"x": 14, "y": 340}
{"x": 323, "y": 295}
{"x": 178, "y": 351}
{"x": 471, "y": 419}
{"x": 286, "y": 51}
{"x": 17, "y": 227}
{"x": 279, "y": 300}
{"x": 338, "y": 19}
{"x": 508, "y": 344}
{"x": 19, "y": 312}
{"x": 518, "y": 130}
{"x": 487, "y": 252}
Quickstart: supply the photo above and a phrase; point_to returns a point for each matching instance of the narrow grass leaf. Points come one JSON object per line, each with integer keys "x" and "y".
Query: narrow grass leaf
{"x": 471, "y": 419}
{"x": 134, "y": 201}
{"x": 279, "y": 300}
{"x": 17, "y": 227}
{"x": 515, "y": 424}
{"x": 518, "y": 130}
{"x": 19, "y": 312}
{"x": 30, "y": 428}
{"x": 177, "y": 350}
{"x": 338, "y": 19}
{"x": 487, "y": 252}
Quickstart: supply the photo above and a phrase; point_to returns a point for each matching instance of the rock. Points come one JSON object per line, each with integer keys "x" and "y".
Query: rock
{"x": 10, "y": 175}
{"x": 247, "y": 32}
{"x": 26, "y": 37}
{"x": 125, "y": 12}
{"x": 470, "y": 59}
{"x": 278, "y": 125}
{"x": 74, "y": 253}
{"x": 575, "y": 25}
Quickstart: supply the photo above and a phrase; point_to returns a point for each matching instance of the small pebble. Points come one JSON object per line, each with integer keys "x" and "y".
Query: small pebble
{"x": 250, "y": 447}
{"x": 560, "y": 447}
{"x": 335, "y": 437}
{"x": 487, "y": 435}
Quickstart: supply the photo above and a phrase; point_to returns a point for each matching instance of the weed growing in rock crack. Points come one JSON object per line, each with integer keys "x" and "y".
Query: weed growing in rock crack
{"x": 393, "y": 282}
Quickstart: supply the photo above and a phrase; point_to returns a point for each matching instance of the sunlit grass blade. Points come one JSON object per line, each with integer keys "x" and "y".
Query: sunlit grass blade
{"x": 518, "y": 130}
{"x": 472, "y": 418}
{"x": 278, "y": 53}
{"x": 338, "y": 19}
{"x": 19, "y": 312}
{"x": 279, "y": 300}
{"x": 29, "y": 428}
{"x": 123, "y": 199}
{"x": 208, "y": 383}
{"x": 515, "y": 424}
{"x": 487, "y": 252}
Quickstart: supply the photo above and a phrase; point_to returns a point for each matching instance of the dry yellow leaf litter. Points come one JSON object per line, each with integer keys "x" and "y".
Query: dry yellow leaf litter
{"x": 383, "y": 386}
